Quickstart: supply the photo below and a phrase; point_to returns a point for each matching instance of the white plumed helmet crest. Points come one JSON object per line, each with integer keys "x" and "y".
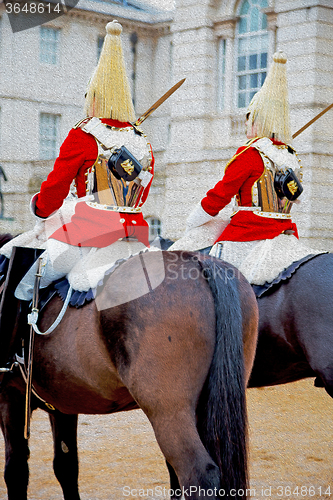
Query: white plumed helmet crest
{"x": 269, "y": 108}
{"x": 108, "y": 94}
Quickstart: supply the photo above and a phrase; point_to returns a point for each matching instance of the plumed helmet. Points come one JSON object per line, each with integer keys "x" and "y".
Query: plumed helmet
{"x": 269, "y": 108}
{"x": 108, "y": 94}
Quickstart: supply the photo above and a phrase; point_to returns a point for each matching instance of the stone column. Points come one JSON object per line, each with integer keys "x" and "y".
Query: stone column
{"x": 193, "y": 58}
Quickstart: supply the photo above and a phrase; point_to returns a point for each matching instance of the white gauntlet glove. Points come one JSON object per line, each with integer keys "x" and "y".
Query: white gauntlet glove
{"x": 197, "y": 217}
{"x": 39, "y": 229}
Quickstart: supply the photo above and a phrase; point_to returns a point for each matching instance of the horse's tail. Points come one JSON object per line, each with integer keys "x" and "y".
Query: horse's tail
{"x": 222, "y": 420}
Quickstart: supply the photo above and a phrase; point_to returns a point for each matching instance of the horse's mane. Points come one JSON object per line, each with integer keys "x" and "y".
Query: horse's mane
{"x": 4, "y": 238}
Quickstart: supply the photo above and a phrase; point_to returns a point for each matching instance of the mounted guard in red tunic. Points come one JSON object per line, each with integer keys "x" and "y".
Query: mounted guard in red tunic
{"x": 88, "y": 209}
{"x": 265, "y": 180}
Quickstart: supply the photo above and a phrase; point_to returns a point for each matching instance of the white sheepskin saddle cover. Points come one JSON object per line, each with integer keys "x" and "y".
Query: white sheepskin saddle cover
{"x": 263, "y": 260}
{"x": 90, "y": 270}
{"x": 259, "y": 261}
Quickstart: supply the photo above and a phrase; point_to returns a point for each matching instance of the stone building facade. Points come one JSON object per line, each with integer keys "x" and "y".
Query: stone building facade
{"x": 43, "y": 77}
{"x": 223, "y": 48}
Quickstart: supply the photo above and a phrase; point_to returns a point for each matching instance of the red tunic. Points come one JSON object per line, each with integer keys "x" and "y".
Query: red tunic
{"x": 89, "y": 226}
{"x": 238, "y": 180}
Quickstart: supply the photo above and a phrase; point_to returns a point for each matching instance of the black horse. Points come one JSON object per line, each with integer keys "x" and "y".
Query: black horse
{"x": 296, "y": 328}
{"x": 182, "y": 352}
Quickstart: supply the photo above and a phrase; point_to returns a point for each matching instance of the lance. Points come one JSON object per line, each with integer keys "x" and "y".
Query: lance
{"x": 158, "y": 103}
{"x": 312, "y": 121}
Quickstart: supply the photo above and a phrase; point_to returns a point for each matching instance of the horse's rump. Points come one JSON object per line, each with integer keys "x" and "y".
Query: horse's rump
{"x": 165, "y": 329}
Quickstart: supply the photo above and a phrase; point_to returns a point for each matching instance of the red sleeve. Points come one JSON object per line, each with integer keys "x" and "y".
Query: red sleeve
{"x": 247, "y": 167}
{"x": 78, "y": 150}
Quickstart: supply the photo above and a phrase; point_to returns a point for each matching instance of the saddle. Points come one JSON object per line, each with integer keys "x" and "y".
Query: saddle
{"x": 283, "y": 277}
{"x": 80, "y": 299}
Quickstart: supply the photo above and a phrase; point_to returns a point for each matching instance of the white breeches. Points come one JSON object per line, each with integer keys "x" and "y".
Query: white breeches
{"x": 57, "y": 260}
{"x": 83, "y": 266}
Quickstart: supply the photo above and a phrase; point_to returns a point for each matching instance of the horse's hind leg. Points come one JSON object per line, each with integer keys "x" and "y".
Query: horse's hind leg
{"x": 174, "y": 483}
{"x": 180, "y": 443}
{"x": 16, "y": 473}
{"x": 65, "y": 462}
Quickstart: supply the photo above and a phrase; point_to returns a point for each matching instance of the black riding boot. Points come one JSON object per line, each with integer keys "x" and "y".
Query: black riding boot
{"x": 20, "y": 262}
{"x": 3, "y": 268}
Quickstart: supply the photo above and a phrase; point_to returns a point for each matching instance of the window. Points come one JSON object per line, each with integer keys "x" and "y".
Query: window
{"x": 49, "y": 45}
{"x": 221, "y": 76}
{"x": 155, "y": 227}
{"x": 100, "y": 41}
{"x": 252, "y": 50}
{"x": 48, "y": 136}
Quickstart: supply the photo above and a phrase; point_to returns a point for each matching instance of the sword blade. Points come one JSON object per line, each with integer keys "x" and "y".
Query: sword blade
{"x": 312, "y": 121}
{"x": 158, "y": 103}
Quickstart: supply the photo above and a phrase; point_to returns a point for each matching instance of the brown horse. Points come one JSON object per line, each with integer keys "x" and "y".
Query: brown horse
{"x": 182, "y": 351}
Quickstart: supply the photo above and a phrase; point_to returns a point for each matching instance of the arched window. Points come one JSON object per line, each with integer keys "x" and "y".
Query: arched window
{"x": 252, "y": 50}
{"x": 155, "y": 227}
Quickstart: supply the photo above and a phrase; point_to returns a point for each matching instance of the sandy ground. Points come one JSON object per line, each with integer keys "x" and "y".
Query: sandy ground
{"x": 291, "y": 447}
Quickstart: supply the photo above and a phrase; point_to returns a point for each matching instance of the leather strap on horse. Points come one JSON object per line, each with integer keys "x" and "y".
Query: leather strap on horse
{"x": 30, "y": 354}
{"x": 33, "y": 317}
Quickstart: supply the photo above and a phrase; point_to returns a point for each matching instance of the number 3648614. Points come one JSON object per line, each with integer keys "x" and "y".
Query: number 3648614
{"x": 33, "y": 8}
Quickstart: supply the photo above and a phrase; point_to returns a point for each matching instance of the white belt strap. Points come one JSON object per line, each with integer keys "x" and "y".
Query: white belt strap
{"x": 33, "y": 317}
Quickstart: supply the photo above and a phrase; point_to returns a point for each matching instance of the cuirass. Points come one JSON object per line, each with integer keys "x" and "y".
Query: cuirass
{"x": 276, "y": 158}
{"x": 108, "y": 187}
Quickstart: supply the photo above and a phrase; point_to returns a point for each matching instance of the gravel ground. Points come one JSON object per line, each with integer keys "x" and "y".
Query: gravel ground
{"x": 290, "y": 451}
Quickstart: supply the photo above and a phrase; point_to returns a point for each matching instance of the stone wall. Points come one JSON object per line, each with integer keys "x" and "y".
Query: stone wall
{"x": 28, "y": 88}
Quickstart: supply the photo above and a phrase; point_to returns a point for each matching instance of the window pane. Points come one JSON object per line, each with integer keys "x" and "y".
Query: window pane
{"x": 254, "y": 81}
{"x": 49, "y": 41}
{"x": 253, "y": 61}
{"x": 263, "y": 60}
{"x": 242, "y": 27}
{"x": 252, "y": 49}
{"x": 241, "y": 63}
{"x": 223, "y": 47}
{"x": 48, "y": 135}
{"x": 100, "y": 41}
{"x": 254, "y": 24}
{"x": 243, "y": 45}
{"x": 241, "y": 100}
{"x": 245, "y": 8}
{"x": 155, "y": 227}
{"x": 263, "y": 22}
{"x": 264, "y": 43}
{"x": 254, "y": 43}
{"x": 242, "y": 82}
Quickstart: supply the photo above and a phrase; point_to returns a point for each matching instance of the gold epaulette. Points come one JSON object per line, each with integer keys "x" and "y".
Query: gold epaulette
{"x": 248, "y": 144}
